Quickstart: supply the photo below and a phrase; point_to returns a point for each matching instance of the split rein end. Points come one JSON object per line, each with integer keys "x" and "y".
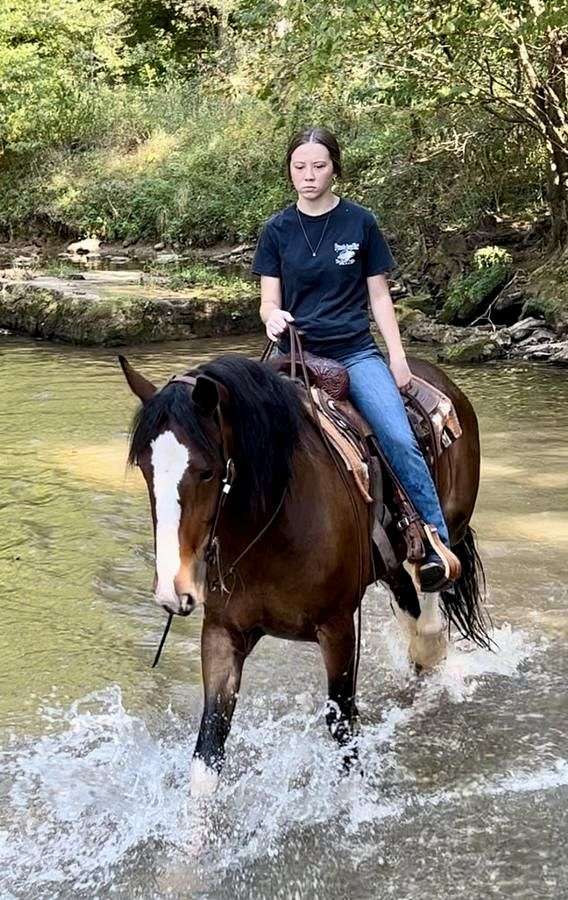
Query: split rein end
{"x": 163, "y": 641}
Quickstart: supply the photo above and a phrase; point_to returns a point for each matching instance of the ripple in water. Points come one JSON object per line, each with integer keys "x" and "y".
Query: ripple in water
{"x": 103, "y": 798}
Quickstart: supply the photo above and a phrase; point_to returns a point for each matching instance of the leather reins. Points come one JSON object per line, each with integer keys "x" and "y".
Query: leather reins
{"x": 212, "y": 553}
{"x": 297, "y": 356}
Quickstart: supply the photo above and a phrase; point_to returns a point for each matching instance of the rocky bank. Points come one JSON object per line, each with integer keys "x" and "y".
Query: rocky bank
{"x": 487, "y": 302}
{"x": 527, "y": 339}
{"x": 113, "y": 308}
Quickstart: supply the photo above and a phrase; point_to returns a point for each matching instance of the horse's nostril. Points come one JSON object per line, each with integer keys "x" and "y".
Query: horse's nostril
{"x": 186, "y": 604}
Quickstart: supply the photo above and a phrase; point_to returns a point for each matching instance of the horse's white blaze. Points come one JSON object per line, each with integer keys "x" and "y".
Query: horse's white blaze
{"x": 203, "y": 779}
{"x": 169, "y": 461}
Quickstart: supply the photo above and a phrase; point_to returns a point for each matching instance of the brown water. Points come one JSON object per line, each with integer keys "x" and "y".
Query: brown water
{"x": 465, "y": 778}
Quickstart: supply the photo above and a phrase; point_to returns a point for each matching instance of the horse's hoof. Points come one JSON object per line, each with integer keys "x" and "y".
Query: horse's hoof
{"x": 428, "y": 650}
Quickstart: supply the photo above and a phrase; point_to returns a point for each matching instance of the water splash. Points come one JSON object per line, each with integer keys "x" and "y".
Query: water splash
{"x": 103, "y": 792}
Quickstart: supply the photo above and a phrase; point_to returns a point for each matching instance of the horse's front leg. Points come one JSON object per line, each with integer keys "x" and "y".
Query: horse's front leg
{"x": 337, "y": 642}
{"x": 222, "y": 665}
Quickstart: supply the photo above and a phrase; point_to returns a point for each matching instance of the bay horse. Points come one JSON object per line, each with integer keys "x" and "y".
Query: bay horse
{"x": 229, "y": 450}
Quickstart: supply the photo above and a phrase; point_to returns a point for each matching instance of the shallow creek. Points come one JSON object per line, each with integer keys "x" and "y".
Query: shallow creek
{"x": 464, "y": 790}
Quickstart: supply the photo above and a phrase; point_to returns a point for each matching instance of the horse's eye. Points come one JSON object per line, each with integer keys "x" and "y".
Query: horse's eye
{"x": 206, "y": 475}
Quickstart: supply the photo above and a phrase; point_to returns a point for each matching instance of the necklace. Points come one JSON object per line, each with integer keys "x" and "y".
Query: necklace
{"x": 308, "y": 242}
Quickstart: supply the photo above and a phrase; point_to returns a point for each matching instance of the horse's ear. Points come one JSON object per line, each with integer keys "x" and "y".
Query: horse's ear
{"x": 139, "y": 385}
{"x": 207, "y": 394}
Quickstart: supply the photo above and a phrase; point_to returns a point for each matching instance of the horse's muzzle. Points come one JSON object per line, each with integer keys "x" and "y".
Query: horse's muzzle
{"x": 184, "y": 605}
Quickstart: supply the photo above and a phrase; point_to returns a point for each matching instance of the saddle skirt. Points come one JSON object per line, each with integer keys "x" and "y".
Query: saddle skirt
{"x": 347, "y": 431}
{"x": 434, "y": 420}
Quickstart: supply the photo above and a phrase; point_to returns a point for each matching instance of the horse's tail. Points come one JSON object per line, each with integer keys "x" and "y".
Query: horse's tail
{"x": 463, "y": 603}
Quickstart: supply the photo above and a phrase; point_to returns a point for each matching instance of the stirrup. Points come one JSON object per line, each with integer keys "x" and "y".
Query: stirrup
{"x": 452, "y": 565}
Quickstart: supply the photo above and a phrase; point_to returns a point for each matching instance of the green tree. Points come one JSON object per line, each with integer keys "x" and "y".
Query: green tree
{"x": 170, "y": 35}
{"x": 54, "y": 56}
{"x": 508, "y": 58}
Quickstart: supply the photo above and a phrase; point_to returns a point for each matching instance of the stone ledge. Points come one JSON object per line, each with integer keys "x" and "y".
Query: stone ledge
{"x": 67, "y": 313}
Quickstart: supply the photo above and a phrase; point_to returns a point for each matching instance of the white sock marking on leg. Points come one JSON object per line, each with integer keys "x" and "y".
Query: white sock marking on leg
{"x": 203, "y": 779}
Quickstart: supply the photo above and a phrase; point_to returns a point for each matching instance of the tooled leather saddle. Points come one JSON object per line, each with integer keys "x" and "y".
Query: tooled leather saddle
{"x": 432, "y": 417}
{"x": 431, "y": 412}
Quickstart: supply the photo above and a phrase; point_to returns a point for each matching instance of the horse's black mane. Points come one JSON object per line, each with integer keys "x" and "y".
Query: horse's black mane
{"x": 265, "y": 414}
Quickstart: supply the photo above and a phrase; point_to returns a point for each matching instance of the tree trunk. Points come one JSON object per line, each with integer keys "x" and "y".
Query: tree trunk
{"x": 557, "y": 137}
{"x": 558, "y": 197}
{"x": 550, "y": 111}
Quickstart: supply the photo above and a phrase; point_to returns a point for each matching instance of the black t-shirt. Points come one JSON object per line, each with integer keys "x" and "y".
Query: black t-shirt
{"x": 326, "y": 293}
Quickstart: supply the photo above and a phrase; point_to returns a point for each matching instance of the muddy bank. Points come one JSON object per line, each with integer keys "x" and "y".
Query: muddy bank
{"x": 113, "y": 308}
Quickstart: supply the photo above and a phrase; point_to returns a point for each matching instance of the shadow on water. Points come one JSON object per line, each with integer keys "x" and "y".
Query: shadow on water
{"x": 464, "y": 775}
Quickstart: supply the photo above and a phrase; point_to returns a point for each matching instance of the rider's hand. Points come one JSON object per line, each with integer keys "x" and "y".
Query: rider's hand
{"x": 277, "y": 323}
{"x": 400, "y": 371}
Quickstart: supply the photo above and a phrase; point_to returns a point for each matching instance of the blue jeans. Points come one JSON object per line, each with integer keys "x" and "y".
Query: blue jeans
{"x": 374, "y": 393}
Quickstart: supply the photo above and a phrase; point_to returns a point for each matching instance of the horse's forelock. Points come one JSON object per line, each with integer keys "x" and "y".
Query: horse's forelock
{"x": 265, "y": 415}
{"x": 171, "y": 405}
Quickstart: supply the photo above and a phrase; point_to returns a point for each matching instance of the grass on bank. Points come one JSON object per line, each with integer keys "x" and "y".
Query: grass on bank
{"x": 199, "y": 275}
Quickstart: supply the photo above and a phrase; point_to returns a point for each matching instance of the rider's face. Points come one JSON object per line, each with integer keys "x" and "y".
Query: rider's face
{"x": 311, "y": 170}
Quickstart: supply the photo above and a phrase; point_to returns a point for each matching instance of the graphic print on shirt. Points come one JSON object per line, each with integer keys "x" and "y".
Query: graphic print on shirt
{"x": 345, "y": 253}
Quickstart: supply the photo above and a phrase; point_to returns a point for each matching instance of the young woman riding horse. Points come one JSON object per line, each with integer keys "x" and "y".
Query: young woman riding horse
{"x": 254, "y": 519}
{"x": 320, "y": 260}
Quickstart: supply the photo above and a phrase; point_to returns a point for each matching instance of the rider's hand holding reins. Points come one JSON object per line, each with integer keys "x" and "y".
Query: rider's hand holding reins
{"x": 277, "y": 323}
{"x": 276, "y": 319}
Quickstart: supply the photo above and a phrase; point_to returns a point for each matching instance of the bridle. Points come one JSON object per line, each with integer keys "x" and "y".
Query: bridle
{"x": 212, "y": 553}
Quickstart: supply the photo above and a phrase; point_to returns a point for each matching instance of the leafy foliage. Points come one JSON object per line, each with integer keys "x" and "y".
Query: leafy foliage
{"x": 170, "y": 118}
{"x": 471, "y": 294}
